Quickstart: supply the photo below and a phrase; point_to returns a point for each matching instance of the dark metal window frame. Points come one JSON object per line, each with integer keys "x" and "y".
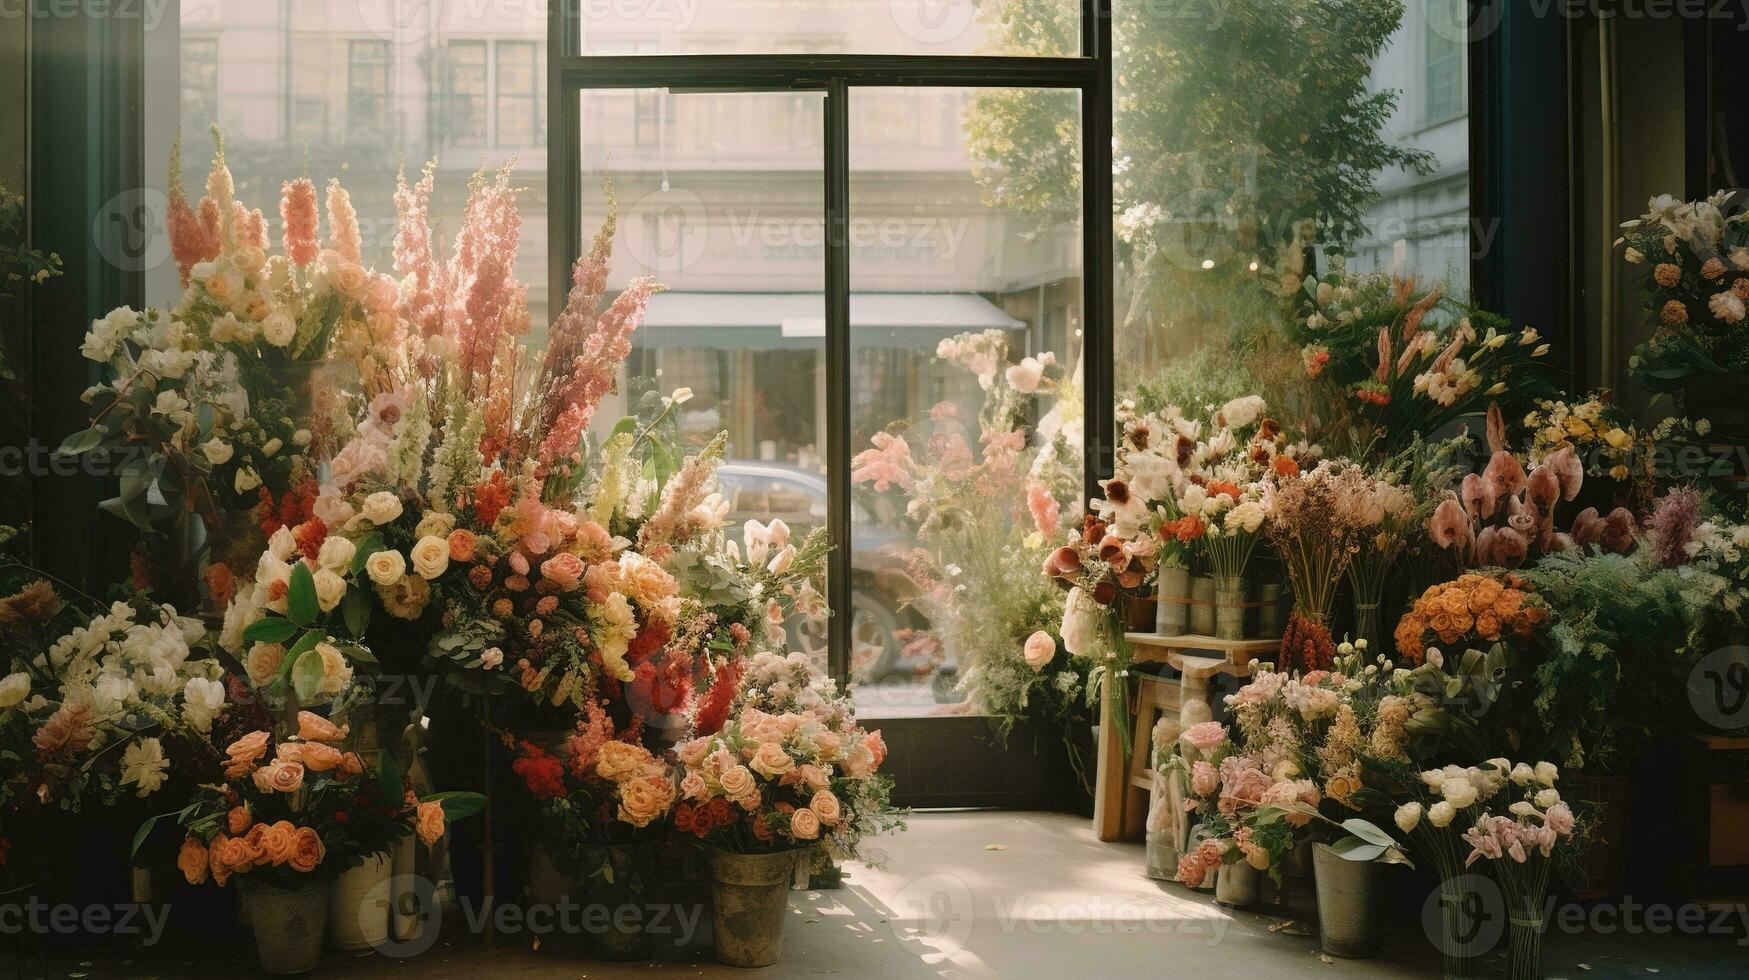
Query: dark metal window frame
{"x": 570, "y": 73}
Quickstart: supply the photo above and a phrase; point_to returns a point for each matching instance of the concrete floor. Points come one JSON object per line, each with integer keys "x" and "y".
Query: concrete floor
{"x": 974, "y": 895}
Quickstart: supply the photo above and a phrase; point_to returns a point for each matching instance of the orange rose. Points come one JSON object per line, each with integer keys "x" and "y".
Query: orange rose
{"x": 307, "y": 850}
{"x": 243, "y": 754}
{"x": 1488, "y": 626}
{"x": 193, "y": 860}
{"x": 429, "y": 822}
{"x": 281, "y": 777}
{"x": 319, "y": 757}
{"x": 350, "y": 765}
{"x": 313, "y": 727}
{"x": 461, "y": 545}
{"x": 238, "y": 820}
{"x": 278, "y": 842}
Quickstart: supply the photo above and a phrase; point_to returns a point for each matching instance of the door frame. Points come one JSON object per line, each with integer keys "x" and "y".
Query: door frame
{"x": 570, "y": 73}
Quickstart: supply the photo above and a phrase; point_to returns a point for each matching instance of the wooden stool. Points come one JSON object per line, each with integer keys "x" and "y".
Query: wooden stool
{"x": 1120, "y": 808}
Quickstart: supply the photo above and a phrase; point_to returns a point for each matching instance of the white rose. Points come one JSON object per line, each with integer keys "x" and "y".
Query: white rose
{"x": 271, "y": 447}
{"x": 1546, "y": 798}
{"x": 1459, "y": 792}
{"x": 279, "y": 328}
{"x": 1547, "y": 774}
{"x": 1408, "y": 816}
{"x": 246, "y": 479}
{"x": 201, "y": 700}
{"x": 1523, "y": 774}
{"x": 430, "y": 556}
{"x": 14, "y": 689}
{"x": 337, "y": 552}
{"x": 217, "y": 451}
{"x": 382, "y": 507}
{"x": 330, "y": 589}
{"x": 282, "y": 544}
{"x": 385, "y": 567}
{"x": 1441, "y": 814}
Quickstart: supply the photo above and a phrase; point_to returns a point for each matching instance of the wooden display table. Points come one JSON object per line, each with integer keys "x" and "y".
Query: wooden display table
{"x": 1120, "y": 793}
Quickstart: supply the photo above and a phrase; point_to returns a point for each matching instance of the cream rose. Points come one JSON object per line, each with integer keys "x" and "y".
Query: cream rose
{"x": 279, "y": 328}
{"x": 435, "y": 523}
{"x": 336, "y": 552}
{"x": 263, "y": 662}
{"x": 385, "y": 567}
{"x": 382, "y": 507}
{"x": 330, "y": 589}
{"x": 431, "y": 556}
{"x": 14, "y": 689}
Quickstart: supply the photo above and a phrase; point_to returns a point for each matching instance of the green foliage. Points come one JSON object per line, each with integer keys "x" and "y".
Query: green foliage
{"x": 1611, "y": 675}
{"x": 1207, "y": 375}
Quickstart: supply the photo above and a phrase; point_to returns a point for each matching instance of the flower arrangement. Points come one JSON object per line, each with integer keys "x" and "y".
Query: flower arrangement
{"x": 300, "y": 805}
{"x": 1471, "y": 608}
{"x": 986, "y": 498}
{"x": 97, "y": 703}
{"x": 1399, "y": 361}
{"x": 1521, "y": 845}
{"x": 1696, "y": 260}
{"x": 1319, "y": 520}
{"x": 788, "y": 780}
{"x": 221, "y": 390}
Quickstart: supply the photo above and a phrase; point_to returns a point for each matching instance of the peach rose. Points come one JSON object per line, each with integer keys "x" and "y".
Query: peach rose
{"x": 738, "y": 783}
{"x": 313, "y": 727}
{"x": 826, "y": 807}
{"x": 307, "y": 850}
{"x": 461, "y": 545}
{"x": 192, "y": 860}
{"x": 243, "y": 754}
{"x": 429, "y": 822}
{"x": 228, "y": 855}
{"x": 238, "y": 820}
{"x": 278, "y": 841}
{"x": 643, "y": 801}
{"x": 564, "y": 570}
{"x": 281, "y": 777}
{"x": 1040, "y": 648}
{"x": 620, "y": 760}
{"x": 771, "y": 760}
{"x": 804, "y": 824}
{"x": 350, "y": 765}
{"x": 319, "y": 757}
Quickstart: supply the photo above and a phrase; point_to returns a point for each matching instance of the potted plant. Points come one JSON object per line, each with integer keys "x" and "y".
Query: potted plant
{"x": 769, "y": 789}
{"x": 293, "y": 813}
{"x": 604, "y": 800}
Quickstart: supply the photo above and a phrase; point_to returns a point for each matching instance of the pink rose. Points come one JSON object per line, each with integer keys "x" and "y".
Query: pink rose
{"x": 1206, "y": 736}
{"x": 564, "y": 570}
{"x": 826, "y": 807}
{"x": 1559, "y": 819}
{"x": 1041, "y": 649}
{"x": 693, "y": 786}
{"x": 1204, "y": 779}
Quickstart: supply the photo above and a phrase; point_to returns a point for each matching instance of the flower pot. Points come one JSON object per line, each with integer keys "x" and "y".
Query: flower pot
{"x": 749, "y": 902}
{"x": 1230, "y": 607}
{"x": 1162, "y": 853}
{"x": 1269, "y": 609}
{"x": 1238, "y": 885}
{"x": 617, "y": 878}
{"x": 357, "y": 918}
{"x": 1298, "y": 895}
{"x": 1172, "y": 609}
{"x": 1202, "y": 605}
{"x": 1348, "y": 904}
{"x": 1366, "y": 623}
{"x": 289, "y": 923}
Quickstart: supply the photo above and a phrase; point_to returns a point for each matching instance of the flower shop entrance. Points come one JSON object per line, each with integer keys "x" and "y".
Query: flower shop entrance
{"x": 796, "y": 176}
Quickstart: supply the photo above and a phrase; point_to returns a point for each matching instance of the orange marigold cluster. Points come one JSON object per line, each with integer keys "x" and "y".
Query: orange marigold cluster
{"x": 1480, "y": 607}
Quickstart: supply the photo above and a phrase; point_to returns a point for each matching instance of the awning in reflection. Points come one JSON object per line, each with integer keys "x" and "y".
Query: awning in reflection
{"x": 773, "y": 320}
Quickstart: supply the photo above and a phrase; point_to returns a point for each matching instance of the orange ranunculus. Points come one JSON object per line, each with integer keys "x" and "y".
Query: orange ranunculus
{"x": 1286, "y": 466}
{"x": 461, "y": 545}
{"x": 307, "y": 850}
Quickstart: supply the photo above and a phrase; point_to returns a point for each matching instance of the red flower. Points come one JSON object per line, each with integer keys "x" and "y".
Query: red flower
{"x": 309, "y": 535}
{"x": 490, "y": 498}
{"x": 543, "y": 774}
